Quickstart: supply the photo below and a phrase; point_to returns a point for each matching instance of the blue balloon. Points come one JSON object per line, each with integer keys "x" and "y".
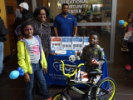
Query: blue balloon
{"x": 20, "y": 70}
{"x": 121, "y": 22}
{"x": 21, "y": 74}
{"x": 14, "y": 74}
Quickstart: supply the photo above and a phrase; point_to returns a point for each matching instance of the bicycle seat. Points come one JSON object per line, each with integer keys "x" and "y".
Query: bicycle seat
{"x": 95, "y": 73}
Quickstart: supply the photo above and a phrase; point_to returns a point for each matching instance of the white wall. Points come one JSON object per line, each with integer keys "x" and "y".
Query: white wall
{"x": 54, "y": 8}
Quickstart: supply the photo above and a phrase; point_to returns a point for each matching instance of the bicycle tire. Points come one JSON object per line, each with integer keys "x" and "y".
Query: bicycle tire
{"x": 57, "y": 96}
{"x": 105, "y": 84}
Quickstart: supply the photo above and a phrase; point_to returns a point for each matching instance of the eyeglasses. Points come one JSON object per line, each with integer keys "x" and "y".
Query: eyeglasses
{"x": 42, "y": 14}
{"x": 28, "y": 29}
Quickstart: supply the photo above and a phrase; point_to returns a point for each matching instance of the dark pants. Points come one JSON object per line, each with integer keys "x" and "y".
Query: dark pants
{"x": 37, "y": 71}
{"x": 37, "y": 88}
{"x": 130, "y": 47}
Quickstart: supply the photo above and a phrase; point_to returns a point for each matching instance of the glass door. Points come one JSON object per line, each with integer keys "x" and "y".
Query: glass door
{"x": 91, "y": 15}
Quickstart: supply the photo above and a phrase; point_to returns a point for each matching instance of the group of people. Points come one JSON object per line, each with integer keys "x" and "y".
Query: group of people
{"x": 33, "y": 45}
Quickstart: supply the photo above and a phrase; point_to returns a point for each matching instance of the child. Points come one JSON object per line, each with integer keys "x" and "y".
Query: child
{"x": 32, "y": 59}
{"x": 130, "y": 41}
{"x": 93, "y": 52}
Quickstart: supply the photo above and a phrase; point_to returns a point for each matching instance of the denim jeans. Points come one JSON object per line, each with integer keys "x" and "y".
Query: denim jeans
{"x": 1, "y": 56}
{"x": 37, "y": 70}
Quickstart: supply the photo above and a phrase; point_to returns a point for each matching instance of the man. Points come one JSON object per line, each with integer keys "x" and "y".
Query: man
{"x": 65, "y": 23}
{"x": 3, "y": 33}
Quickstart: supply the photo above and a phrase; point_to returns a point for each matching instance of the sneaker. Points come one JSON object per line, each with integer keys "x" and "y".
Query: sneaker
{"x": 128, "y": 67}
{"x": 49, "y": 98}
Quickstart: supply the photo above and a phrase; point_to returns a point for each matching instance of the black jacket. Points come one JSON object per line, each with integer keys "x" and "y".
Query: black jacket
{"x": 26, "y": 15}
{"x": 3, "y": 31}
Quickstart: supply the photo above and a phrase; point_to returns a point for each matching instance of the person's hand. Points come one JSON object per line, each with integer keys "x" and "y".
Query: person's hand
{"x": 26, "y": 77}
{"x": 95, "y": 62}
{"x": 45, "y": 70}
{"x": 20, "y": 37}
{"x": 75, "y": 35}
{"x": 52, "y": 53}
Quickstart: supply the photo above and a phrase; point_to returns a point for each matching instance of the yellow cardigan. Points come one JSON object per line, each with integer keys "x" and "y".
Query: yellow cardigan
{"x": 24, "y": 57}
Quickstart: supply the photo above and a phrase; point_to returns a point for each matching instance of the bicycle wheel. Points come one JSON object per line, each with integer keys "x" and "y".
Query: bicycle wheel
{"x": 106, "y": 89}
{"x": 61, "y": 96}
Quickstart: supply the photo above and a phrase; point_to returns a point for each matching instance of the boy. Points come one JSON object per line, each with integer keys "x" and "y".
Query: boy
{"x": 93, "y": 54}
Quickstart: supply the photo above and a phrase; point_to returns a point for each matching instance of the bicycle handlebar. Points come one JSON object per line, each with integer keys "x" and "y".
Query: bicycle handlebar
{"x": 70, "y": 66}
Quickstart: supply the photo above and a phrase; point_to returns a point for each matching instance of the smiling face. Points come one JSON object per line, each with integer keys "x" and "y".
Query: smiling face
{"x": 42, "y": 16}
{"x": 93, "y": 40}
{"x": 65, "y": 9}
{"x": 28, "y": 31}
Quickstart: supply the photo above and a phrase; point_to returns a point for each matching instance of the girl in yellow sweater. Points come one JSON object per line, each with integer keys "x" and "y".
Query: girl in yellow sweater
{"x": 32, "y": 59}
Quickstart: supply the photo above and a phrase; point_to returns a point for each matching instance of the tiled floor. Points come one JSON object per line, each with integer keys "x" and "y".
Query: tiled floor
{"x": 15, "y": 89}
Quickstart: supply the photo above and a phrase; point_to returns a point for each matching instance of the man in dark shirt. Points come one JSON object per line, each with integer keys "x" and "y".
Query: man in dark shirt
{"x": 3, "y": 33}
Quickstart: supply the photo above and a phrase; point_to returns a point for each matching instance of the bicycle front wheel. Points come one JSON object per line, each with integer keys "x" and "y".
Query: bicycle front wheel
{"x": 61, "y": 96}
{"x": 106, "y": 89}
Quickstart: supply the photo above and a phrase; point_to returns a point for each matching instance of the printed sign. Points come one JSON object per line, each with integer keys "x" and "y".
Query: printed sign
{"x": 55, "y": 43}
{"x": 77, "y": 43}
{"x": 66, "y": 43}
{"x": 86, "y": 41}
{"x": 127, "y": 35}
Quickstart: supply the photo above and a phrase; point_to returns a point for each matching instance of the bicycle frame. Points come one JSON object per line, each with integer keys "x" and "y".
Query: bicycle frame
{"x": 89, "y": 83}
{"x": 87, "y": 94}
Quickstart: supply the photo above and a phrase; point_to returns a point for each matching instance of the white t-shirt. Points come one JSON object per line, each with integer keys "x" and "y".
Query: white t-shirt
{"x": 34, "y": 51}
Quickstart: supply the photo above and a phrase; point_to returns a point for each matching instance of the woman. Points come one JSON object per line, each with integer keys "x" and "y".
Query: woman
{"x": 42, "y": 28}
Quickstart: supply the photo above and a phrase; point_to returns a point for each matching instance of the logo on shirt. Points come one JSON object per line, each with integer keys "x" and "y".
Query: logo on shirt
{"x": 69, "y": 18}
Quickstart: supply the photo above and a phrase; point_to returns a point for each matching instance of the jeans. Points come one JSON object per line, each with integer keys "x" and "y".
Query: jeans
{"x": 36, "y": 86}
{"x": 37, "y": 70}
{"x": 1, "y": 56}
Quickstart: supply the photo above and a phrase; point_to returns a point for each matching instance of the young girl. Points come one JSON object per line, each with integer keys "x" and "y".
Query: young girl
{"x": 32, "y": 59}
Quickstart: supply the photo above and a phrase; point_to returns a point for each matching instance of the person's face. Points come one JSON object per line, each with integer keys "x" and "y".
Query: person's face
{"x": 20, "y": 9}
{"x": 42, "y": 16}
{"x": 130, "y": 20}
{"x": 65, "y": 9}
{"x": 93, "y": 39}
{"x": 28, "y": 31}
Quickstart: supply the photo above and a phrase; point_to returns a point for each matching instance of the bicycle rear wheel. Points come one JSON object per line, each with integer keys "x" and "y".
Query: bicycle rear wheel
{"x": 106, "y": 89}
{"x": 61, "y": 96}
